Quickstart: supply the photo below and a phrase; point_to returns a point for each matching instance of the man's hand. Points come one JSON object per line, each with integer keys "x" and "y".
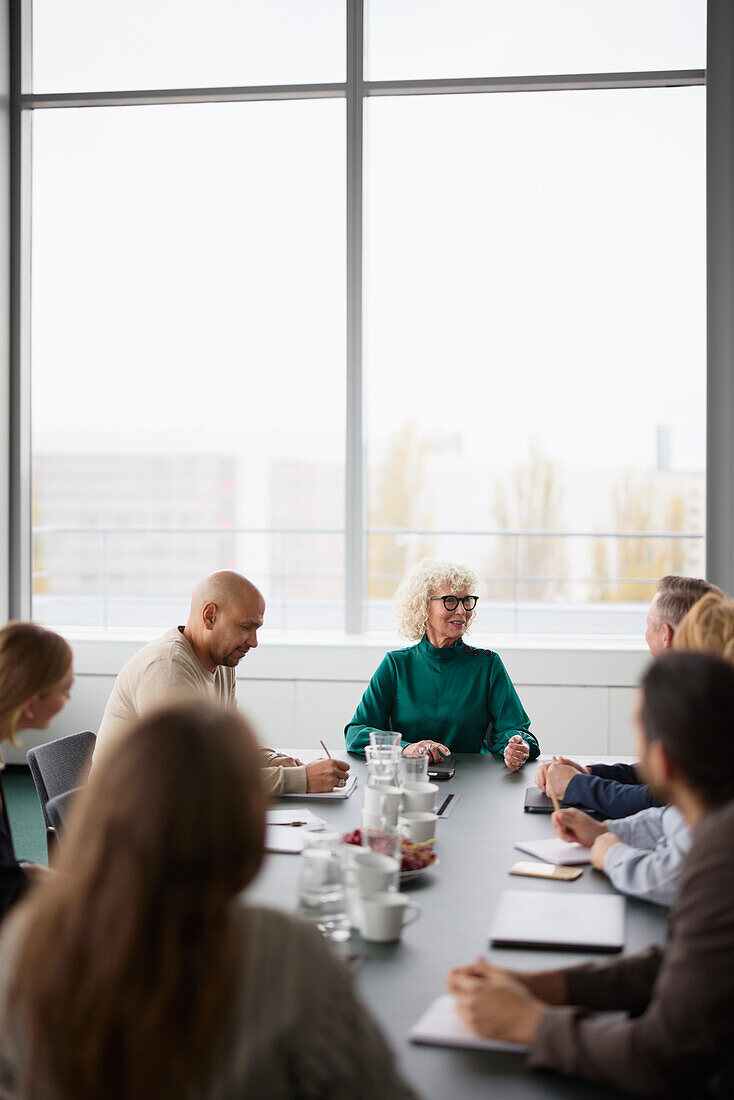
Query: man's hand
{"x": 516, "y": 752}
{"x": 548, "y": 986}
{"x": 496, "y": 1005}
{"x": 574, "y": 826}
{"x": 280, "y": 761}
{"x": 600, "y": 847}
{"x": 432, "y": 749}
{"x": 323, "y": 775}
{"x": 580, "y": 768}
{"x": 541, "y": 776}
{"x": 558, "y": 777}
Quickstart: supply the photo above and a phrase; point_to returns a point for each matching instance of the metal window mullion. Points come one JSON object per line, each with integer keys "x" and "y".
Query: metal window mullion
{"x": 720, "y": 295}
{"x": 154, "y": 97}
{"x": 19, "y": 427}
{"x": 678, "y": 78}
{"x": 354, "y": 550}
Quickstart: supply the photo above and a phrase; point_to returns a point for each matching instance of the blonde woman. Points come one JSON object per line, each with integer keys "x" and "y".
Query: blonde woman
{"x": 36, "y": 675}
{"x": 442, "y": 695}
{"x": 140, "y": 972}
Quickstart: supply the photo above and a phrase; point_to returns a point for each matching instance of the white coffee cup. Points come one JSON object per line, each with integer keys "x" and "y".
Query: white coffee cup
{"x": 419, "y": 796}
{"x": 385, "y": 800}
{"x": 418, "y": 826}
{"x": 372, "y": 872}
{"x": 383, "y": 916}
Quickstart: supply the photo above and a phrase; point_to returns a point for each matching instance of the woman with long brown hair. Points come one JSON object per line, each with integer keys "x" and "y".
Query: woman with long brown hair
{"x": 36, "y": 675}
{"x": 138, "y": 972}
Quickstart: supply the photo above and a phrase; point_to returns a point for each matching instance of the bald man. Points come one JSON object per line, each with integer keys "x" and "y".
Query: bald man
{"x": 200, "y": 658}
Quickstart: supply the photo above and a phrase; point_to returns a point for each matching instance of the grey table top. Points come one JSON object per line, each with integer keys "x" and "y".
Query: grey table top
{"x": 458, "y": 900}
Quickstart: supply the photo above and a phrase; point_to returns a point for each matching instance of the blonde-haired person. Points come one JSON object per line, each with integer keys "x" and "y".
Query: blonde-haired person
{"x": 36, "y": 675}
{"x": 642, "y": 855}
{"x": 141, "y": 972}
{"x": 442, "y": 695}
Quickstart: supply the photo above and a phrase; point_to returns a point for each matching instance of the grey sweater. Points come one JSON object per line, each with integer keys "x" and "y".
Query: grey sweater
{"x": 297, "y": 1031}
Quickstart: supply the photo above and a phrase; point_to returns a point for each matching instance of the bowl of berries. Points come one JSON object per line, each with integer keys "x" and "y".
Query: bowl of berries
{"x": 415, "y": 858}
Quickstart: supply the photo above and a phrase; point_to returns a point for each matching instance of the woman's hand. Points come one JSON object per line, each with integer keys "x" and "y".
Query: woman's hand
{"x": 516, "y": 752}
{"x": 433, "y": 749}
{"x": 494, "y": 1004}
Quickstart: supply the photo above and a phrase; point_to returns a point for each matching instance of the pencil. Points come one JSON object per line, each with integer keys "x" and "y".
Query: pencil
{"x": 553, "y": 796}
{"x": 323, "y": 746}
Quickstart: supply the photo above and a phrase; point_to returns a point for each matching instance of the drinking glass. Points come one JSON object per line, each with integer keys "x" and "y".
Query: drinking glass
{"x": 385, "y": 840}
{"x": 384, "y": 739}
{"x": 381, "y": 764}
{"x": 321, "y": 890}
{"x": 414, "y": 769}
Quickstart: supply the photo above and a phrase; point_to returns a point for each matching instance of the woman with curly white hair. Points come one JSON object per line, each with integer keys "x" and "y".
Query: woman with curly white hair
{"x": 442, "y": 695}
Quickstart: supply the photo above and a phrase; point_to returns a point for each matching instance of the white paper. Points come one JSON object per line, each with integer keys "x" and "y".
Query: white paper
{"x": 283, "y": 838}
{"x": 286, "y": 817}
{"x": 555, "y": 850}
{"x": 441, "y": 1026}
{"x": 338, "y": 792}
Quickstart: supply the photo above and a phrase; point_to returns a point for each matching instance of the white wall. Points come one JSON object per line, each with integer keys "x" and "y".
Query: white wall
{"x": 578, "y": 694}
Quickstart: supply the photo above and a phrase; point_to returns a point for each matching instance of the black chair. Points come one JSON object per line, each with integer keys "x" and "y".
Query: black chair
{"x": 57, "y": 809}
{"x": 58, "y": 768}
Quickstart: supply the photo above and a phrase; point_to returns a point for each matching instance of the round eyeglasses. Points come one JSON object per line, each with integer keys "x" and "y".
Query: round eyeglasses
{"x": 452, "y": 602}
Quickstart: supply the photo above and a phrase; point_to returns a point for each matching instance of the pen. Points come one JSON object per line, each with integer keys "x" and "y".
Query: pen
{"x": 339, "y": 782}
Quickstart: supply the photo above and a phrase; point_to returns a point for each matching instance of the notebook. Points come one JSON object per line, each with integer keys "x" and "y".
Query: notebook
{"x": 570, "y": 921}
{"x": 554, "y": 850}
{"x": 338, "y": 792}
{"x": 441, "y": 1026}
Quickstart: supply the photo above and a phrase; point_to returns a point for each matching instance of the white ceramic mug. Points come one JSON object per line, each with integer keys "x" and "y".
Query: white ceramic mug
{"x": 419, "y": 796}
{"x": 418, "y": 826}
{"x": 382, "y": 800}
{"x": 372, "y": 872}
{"x": 383, "y": 916}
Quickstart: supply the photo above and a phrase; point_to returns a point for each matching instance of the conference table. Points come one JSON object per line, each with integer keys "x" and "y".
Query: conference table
{"x": 475, "y": 846}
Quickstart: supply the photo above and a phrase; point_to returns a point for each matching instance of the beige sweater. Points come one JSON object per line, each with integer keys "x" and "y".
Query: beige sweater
{"x": 169, "y": 666}
{"x": 297, "y": 1031}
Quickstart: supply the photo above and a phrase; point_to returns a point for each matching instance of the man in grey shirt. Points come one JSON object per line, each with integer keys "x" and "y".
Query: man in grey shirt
{"x": 200, "y": 658}
{"x": 641, "y": 855}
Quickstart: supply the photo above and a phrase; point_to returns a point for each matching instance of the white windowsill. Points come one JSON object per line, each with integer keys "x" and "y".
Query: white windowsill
{"x": 332, "y": 656}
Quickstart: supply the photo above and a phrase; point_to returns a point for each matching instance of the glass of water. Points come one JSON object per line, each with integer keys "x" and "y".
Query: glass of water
{"x": 414, "y": 769}
{"x": 384, "y": 739}
{"x": 321, "y": 890}
{"x": 382, "y": 764}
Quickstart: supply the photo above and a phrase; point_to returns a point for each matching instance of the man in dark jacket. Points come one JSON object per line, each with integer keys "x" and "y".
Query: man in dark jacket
{"x": 616, "y": 790}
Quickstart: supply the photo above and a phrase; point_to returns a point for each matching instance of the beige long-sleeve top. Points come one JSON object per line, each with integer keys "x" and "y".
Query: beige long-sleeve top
{"x": 168, "y": 666}
{"x": 297, "y": 1030}
{"x": 680, "y": 1038}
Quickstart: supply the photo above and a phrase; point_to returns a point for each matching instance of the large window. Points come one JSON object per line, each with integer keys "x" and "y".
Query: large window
{"x": 317, "y": 291}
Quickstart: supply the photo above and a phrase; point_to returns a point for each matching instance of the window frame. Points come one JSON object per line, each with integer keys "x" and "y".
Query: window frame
{"x": 719, "y": 79}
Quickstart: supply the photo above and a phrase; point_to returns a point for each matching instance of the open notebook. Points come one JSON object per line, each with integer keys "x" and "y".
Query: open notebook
{"x": 339, "y": 792}
{"x": 554, "y": 850}
{"x": 441, "y": 1026}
